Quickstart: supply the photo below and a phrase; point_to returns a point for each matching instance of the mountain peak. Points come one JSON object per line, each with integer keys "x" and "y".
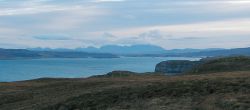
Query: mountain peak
{"x": 133, "y": 49}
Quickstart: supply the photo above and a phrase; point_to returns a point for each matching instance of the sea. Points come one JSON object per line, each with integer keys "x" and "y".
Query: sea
{"x": 27, "y": 69}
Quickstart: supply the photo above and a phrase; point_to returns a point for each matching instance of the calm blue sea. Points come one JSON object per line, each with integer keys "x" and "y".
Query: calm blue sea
{"x": 16, "y": 70}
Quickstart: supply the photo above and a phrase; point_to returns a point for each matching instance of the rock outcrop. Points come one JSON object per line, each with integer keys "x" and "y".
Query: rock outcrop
{"x": 175, "y": 66}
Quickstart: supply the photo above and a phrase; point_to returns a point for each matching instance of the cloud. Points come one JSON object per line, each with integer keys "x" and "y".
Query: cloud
{"x": 195, "y": 35}
{"x": 235, "y": 26}
{"x": 195, "y": 2}
{"x": 155, "y": 34}
{"x": 101, "y": 1}
{"x": 71, "y": 19}
{"x": 186, "y": 38}
{"x": 52, "y": 37}
{"x": 34, "y": 9}
{"x": 167, "y": 23}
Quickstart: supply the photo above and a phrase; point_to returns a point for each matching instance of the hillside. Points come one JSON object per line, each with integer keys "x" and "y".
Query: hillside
{"x": 237, "y": 63}
{"x": 223, "y": 91}
{"x": 28, "y": 54}
{"x": 220, "y": 52}
{"x": 17, "y": 53}
{"x": 205, "y": 65}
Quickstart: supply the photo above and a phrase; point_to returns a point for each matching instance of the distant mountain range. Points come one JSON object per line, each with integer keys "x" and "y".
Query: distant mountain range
{"x": 154, "y": 51}
{"x": 128, "y": 50}
{"x": 113, "y": 51}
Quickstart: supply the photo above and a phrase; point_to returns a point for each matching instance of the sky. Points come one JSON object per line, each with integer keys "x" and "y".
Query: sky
{"x": 171, "y": 24}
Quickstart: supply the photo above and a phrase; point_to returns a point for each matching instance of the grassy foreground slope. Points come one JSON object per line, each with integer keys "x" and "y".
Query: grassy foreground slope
{"x": 216, "y": 91}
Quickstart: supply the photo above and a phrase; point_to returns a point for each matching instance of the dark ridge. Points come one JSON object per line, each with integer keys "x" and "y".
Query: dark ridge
{"x": 206, "y": 65}
{"x": 27, "y": 54}
{"x": 227, "y": 64}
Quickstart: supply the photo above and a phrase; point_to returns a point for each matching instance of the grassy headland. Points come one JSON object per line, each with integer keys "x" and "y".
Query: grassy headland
{"x": 224, "y": 64}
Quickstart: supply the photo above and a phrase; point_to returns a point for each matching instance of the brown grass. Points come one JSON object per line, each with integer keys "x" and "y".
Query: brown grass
{"x": 217, "y": 91}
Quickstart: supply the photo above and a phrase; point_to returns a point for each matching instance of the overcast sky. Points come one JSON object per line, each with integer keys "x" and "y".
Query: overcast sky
{"x": 166, "y": 23}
